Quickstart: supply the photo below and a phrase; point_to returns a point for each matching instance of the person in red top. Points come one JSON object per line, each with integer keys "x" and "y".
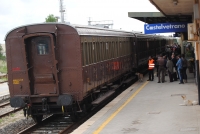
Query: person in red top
{"x": 151, "y": 65}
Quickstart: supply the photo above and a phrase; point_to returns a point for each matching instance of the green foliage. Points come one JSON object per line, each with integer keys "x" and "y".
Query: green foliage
{"x": 3, "y": 67}
{"x": 51, "y": 18}
{"x": 2, "y": 57}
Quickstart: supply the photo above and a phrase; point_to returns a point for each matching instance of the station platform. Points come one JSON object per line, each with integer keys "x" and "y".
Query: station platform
{"x": 148, "y": 107}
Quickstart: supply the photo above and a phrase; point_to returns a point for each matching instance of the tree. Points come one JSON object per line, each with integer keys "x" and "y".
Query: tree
{"x": 2, "y": 57}
{"x": 51, "y": 18}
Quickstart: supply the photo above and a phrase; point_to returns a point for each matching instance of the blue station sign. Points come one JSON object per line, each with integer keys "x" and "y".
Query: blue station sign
{"x": 165, "y": 28}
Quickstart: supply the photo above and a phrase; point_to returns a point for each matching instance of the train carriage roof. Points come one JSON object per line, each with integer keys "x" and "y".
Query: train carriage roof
{"x": 96, "y": 31}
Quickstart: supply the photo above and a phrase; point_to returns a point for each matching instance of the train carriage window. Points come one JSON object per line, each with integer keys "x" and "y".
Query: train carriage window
{"x": 94, "y": 52}
{"x": 123, "y": 48}
{"x": 91, "y": 56}
{"x": 117, "y": 46}
{"x": 83, "y": 54}
{"x": 97, "y": 51}
{"x": 108, "y": 50}
{"x": 100, "y": 51}
{"x": 103, "y": 51}
{"x": 114, "y": 49}
{"x": 126, "y": 48}
{"x": 130, "y": 48}
{"x": 107, "y": 56}
{"x": 42, "y": 49}
{"x": 120, "y": 48}
{"x": 91, "y": 52}
{"x": 87, "y": 53}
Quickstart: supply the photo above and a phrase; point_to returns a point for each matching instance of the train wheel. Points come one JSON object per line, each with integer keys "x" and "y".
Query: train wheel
{"x": 37, "y": 118}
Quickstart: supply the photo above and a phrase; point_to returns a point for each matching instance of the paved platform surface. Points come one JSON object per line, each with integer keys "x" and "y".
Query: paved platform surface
{"x": 148, "y": 107}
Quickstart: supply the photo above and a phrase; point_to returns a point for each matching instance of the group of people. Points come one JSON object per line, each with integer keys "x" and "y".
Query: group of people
{"x": 175, "y": 66}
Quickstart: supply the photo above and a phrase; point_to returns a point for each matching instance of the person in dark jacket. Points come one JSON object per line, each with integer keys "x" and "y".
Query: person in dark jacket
{"x": 156, "y": 64}
{"x": 170, "y": 67}
{"x": 161, "y": 68}
{"x": 179, "y": 65}
{"x": 175, "y": 72}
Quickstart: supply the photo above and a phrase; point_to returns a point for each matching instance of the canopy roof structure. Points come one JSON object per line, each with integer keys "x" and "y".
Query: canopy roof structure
{"x": 170, "y": 11}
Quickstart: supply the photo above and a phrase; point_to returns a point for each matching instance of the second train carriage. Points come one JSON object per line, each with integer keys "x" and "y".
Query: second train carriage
{"x": 59, "y": 68}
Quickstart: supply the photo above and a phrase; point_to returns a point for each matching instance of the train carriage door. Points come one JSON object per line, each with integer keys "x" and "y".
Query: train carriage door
{"x": 41, "y": 64}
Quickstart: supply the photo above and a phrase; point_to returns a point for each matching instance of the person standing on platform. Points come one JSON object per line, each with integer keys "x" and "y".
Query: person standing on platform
{"x": 161, "y": 68}
{"x": 170, "y": 67}
{"x": 151, "y": 65}
{"x": 184, "y": 68}
{"x": 156, "y": 64}
{"x": 179, "y": 65}
{"x": 174, "y": 60}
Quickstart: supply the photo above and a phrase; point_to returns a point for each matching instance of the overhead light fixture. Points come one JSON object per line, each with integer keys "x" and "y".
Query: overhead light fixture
{"x": 175, "y": 2}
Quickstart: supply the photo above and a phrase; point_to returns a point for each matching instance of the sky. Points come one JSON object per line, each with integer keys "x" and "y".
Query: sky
{"x": 15, "y": 13}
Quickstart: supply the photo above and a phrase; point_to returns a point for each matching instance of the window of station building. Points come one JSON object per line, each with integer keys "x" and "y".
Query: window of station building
{"x": 42, "y": 49}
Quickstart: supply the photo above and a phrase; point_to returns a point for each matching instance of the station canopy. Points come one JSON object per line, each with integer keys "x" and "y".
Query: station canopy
{"x": 170, "y": 11}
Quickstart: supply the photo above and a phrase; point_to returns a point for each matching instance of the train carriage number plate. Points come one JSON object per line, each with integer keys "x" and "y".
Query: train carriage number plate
{"x": 17, "y": 81}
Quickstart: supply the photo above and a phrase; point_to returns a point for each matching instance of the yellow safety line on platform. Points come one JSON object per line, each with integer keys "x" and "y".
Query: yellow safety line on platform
{"x": 119, "y": 109}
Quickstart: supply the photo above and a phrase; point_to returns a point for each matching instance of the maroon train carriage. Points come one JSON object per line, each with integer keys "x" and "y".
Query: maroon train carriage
{"x": 56, "y": 68}
{"x": 55, "y": 65}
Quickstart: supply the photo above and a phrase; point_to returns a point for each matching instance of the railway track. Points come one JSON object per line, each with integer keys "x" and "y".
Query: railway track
{"x": 63, "y": 124}
{"x": 6, "y": 109}
{"x": 53, "y": 124}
